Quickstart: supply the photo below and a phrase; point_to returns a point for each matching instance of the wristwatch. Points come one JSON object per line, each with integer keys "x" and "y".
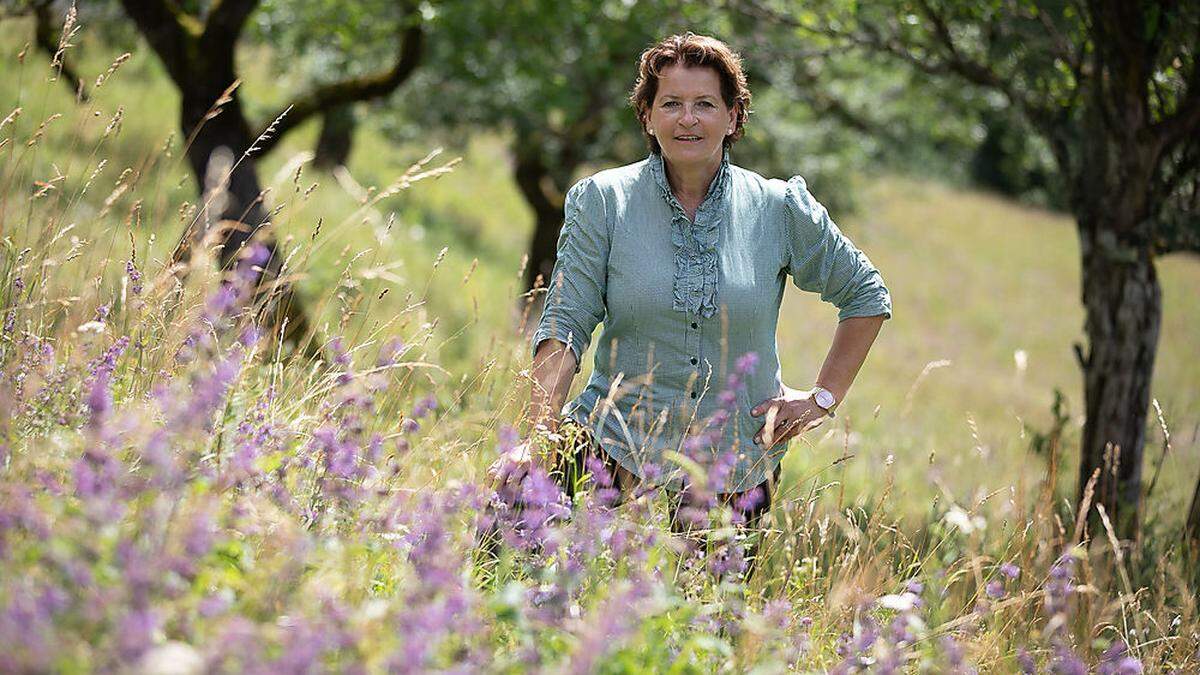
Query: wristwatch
{"x": 824, "y": 398}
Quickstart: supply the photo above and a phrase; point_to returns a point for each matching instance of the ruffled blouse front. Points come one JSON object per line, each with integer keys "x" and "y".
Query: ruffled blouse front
{"x": 695, "y": 285}
{"x": 681, "y": 301}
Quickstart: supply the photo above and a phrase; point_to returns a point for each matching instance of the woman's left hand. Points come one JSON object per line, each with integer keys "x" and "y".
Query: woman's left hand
{"x": 795, "y": 412}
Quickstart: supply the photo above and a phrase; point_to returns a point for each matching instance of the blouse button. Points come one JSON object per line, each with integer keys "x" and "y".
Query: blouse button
{"x": 695, "y": 361}
{"x": 695, "y": 325}
{"x": 693, "y": 394}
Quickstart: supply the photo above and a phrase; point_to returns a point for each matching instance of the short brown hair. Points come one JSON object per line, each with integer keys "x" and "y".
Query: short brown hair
{"x": 691, "y": 50}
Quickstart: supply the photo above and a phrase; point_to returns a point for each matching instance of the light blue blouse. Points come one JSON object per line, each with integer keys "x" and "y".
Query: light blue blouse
{"x": 682, "y": 300}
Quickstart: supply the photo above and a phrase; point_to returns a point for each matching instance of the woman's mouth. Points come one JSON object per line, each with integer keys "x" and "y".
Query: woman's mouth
{"x": 688, "y": 139}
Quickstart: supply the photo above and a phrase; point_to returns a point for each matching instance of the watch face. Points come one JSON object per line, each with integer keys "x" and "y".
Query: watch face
{"x": 825, "y": 399}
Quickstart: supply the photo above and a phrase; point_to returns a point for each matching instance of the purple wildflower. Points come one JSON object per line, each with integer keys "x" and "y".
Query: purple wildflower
{"x": 18, "y": 511}
{"x": 1060, "y": 585}
{"x": 1066, "y": 662}
{"x": 250, "y": 336}
{"x": 995, "y": 589}
{"x": 390, "y": 352}
{"x": 208, "y": 391}
{"x": 508, "y": 438}
{"x": 135, "y": 634}
{"x": 607, "y": 626}
{"x": 728, "y": 559}
{"x": 26, "y": 627}
{"x": 257, "y": 255}
{"x": 424, "y": 406}
{"x": 135, "y": 277}
{"x": 746, "y": 363}
{"x": 221, "y": 303}
{"x": 542, "y": 502}
{"x": 200, "y": 534}
{"x": 1025, "y": 662}
{"x": 865, "y": 636}
{"x": 1116, "y": 661}
{"x": 439, "y": 605}
{"x": 214, "y": 605}
{"x": 99, "y": 401}
{"x": 97, "y": 474}
{"x": 1010, "y": 570}
{"x": 749, "y": 500}
{"x": 105, "y": 364}
{"x": 953, "y": 652}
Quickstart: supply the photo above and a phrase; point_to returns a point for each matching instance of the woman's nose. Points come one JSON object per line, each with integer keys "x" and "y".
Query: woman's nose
{"x": 689, "y": 115}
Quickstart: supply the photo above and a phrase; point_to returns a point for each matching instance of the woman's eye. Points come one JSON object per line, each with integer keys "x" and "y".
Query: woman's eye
{"x": 707, "y": 104}
{"x": 670, "y": 104}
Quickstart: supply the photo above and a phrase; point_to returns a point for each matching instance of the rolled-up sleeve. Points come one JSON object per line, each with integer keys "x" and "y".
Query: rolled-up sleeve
{"x": 575, "y": 301}
{"x": 823, "y": 260}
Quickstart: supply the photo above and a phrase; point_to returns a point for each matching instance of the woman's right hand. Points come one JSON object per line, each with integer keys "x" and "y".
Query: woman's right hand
{"x": 510, "y": 468}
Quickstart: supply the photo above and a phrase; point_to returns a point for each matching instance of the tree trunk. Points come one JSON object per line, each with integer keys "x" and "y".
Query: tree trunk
{"x": 336, "y": 139}
{"x": 239, "y": 208}
{"x": 1123, "y": 304}
{"x": 545, "y": 197}
{"x": 1192, "y": 531}
{"x": 241, "y": 202}
{"x": 47, "y": 27}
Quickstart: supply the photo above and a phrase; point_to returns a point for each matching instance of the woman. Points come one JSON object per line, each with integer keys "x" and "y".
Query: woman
{"x": 684, "y": 257}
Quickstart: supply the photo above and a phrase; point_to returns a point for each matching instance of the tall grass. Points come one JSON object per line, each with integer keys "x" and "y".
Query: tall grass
{"x": 180, "y": 490}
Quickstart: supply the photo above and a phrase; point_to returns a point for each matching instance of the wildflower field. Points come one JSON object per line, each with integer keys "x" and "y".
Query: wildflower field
{"x": 182, "y": 491}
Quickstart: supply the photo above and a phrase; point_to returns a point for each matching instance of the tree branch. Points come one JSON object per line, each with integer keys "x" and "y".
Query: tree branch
{"x": 956, "y": 62}
{"x": 823, "y": 102}
{"x": 1178, "y": 232}
{"x": 169, "y": 30}
{"x": 1185, "y": 121}
{"x": 366, "y": 87}
{"x": 226, "y": 18}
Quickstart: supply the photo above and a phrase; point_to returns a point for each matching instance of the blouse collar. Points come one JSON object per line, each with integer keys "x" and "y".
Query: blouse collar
{"x": 716, "y": 190}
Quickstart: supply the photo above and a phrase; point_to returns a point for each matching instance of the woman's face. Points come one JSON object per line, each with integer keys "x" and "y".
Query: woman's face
{"x": 689, "y": 118}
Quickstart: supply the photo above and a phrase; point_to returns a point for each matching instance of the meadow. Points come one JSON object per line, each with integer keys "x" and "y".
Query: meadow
{"x": 181, "y": 492}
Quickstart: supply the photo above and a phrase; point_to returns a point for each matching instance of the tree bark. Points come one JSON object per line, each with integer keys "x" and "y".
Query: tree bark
{"x": 1192, "y": 531}
{"x": 47, "y": 27}
{"x": 545, "y": 196}
{"x": 1123, "y": 305}
{"x": 242, "y": 202}
{"x": 336, "y": 139}
{"x": 238, "y": 208}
